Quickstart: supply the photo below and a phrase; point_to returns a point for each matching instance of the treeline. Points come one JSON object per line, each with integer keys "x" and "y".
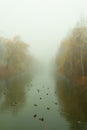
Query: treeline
{"x": 71, "y": 76}
{"x": 14, "y": 57}
{"x": 71, "y": 60}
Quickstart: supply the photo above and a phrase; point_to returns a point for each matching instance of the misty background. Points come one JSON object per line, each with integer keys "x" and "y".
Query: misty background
{"x": 30, "y": 95}
{"x": 42, "y": 24}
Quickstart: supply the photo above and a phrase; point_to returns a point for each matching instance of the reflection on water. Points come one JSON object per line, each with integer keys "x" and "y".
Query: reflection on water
{"x": 14, "y": 95}
{"x": 73, "y": 103}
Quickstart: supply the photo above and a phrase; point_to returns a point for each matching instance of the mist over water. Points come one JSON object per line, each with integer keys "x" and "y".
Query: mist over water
{"x": 28, "y": 97}
{"x": 31, "y": 96}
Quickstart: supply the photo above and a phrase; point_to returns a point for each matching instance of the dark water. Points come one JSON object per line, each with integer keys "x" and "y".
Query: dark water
{"x": 72, "y": 98}
{"x": 41, "y": 104}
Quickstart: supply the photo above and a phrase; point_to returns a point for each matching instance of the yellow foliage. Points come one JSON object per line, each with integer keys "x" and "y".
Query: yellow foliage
{"x": 16, "y": 56}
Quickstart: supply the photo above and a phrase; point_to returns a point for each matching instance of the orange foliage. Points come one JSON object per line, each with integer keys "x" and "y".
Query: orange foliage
{"x": 72, "y": 56}
{"x": 16, "y": 58}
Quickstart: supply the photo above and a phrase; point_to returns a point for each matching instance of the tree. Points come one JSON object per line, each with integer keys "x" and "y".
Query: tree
{"x": 15, "y": 56}
{"x": 71, "y": 59}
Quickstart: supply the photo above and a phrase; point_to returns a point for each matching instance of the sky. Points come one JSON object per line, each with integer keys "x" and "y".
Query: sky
{"x": 41, "y": 23}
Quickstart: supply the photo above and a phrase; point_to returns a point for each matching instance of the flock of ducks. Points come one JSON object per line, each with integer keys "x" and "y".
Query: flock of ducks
{"x": 48, "y": 108}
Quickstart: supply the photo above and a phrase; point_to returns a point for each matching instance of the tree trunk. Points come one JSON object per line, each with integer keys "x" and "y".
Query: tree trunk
{"x": 82, "y": 65}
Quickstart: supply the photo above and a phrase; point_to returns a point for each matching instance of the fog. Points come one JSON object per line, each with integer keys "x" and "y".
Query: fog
{"x": 42, "y": 24}
{"x": 32, "y": 97}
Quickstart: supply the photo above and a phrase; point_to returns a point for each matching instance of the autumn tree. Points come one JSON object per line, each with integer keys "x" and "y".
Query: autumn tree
{"x": 71, "y": 60}
{"x": 14, "y": 57}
